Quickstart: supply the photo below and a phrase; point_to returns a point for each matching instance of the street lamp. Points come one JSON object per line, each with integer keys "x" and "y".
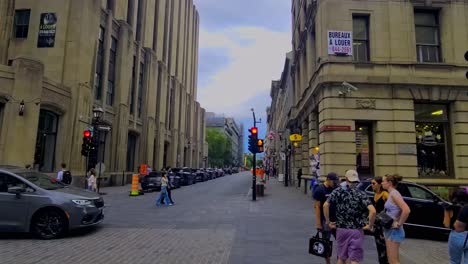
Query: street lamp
{"x": 98, "y": 112}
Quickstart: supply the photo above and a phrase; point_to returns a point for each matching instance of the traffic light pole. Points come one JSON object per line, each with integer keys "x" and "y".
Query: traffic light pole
{"x": 254, "y": 165}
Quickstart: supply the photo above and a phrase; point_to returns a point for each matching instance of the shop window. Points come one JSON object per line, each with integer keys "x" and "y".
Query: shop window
{"x": 432, "y": 131}
{"x": 131, "y": 150}
{"x": 44, "y": 157}
{"x": 22, "y": 23}
{"x": 364, "y": 149}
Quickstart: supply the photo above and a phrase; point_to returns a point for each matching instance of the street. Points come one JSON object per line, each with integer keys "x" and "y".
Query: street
{"x": 211, "y": 222}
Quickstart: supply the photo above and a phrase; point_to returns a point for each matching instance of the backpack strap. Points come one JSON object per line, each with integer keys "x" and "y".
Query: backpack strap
{"x": 466, "y": 239}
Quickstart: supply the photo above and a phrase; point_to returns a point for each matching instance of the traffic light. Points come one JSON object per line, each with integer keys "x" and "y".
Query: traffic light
{"x": 87, "y": 142}
{"x": 259, "y": 145}
{"x": 253, "y": 140}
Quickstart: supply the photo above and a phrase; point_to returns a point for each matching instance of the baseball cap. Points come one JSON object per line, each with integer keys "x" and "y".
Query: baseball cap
{"x": 352, "y": 176}
{"x": 332, "y": 176}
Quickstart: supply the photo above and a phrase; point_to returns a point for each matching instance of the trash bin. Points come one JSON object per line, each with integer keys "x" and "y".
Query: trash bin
{"x": 260, "y": 189}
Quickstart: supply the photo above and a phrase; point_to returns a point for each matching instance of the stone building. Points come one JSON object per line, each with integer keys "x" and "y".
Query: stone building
{"x": 136, "y": 59}
{"x": 229, "y": 127}
{"x": 379, "y": 86}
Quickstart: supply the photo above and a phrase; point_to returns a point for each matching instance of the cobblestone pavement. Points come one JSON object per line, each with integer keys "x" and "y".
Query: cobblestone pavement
{"x": 212, "y": 222}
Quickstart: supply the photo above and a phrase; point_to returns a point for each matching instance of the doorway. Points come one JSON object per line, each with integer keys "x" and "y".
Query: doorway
{"x": 44, "y": 156}
{"x": 364, "y": 150}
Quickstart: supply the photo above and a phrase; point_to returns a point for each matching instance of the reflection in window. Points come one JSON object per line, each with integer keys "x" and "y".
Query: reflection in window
{"x": 420, "y": 193}
{"x": 431, "y": 139}
{"x": 427, "y": 36}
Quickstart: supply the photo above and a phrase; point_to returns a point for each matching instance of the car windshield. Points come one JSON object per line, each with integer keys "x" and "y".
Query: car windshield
{"x": 42, "y": 180}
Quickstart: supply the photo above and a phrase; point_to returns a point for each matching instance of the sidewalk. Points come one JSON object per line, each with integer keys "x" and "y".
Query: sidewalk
{"x": 415, "y": 251}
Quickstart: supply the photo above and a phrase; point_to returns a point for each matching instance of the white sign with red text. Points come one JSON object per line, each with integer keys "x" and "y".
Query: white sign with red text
{"x": 340, "y": 42}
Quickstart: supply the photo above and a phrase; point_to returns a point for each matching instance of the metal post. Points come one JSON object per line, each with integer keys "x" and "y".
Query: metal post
{"x": 286, "y": 170}
{"x": 254, "y": 165}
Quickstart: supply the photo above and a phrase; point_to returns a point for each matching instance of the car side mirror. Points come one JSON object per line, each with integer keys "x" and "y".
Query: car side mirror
{"x": 16, "y": 190}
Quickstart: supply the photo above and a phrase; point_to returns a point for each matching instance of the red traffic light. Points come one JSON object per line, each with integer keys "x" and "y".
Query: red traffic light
{"x": 254, "y": 130}
{"x": 87, "y": 133}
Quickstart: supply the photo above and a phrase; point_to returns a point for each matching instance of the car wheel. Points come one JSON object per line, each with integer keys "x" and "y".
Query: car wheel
{"x": 49, "y": 224}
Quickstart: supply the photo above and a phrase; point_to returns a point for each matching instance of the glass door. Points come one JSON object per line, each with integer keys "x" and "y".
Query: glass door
{"x": 364, "y": 150}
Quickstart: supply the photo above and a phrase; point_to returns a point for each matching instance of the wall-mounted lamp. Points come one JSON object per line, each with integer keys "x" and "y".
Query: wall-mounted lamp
{"x": 21, "y": 108}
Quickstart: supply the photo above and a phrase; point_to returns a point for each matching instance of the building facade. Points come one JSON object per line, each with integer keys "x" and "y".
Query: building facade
{"x": 380, "y": 87}
{"x": 229, "y": 127}
{"x": 136, "y": 59}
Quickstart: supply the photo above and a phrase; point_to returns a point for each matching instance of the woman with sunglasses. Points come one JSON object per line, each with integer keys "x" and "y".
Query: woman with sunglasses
{"x": 380, "y": 197}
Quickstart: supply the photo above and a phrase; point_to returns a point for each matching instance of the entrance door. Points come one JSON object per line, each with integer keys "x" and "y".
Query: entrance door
{"x": 364, "y": 150}
{"x": 44, "y": 156}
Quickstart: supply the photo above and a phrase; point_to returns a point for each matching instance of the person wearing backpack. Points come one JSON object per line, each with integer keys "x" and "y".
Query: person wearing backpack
{"x": 64, "y": 175}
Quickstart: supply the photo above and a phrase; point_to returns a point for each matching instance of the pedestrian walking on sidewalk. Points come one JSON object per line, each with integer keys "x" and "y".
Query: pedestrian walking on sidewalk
{"x": 299, "y": 176}
{"x": 380, "y": 197}
{"x": 397, "y": 209}
{"x": 92, "y": 186}
{"x": 321, "y": 194}
{"x": 353, "y": 211}
{"x": 457, "y": 243}
{"x": 169, "y": 188}
{"x": 163, "y": 195}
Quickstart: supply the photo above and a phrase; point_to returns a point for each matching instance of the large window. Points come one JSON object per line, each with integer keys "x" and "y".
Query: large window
{"x": 427, "y": 36}
{"x": 432, "y": 132}
{"x": 140, "y": 89}
{"x": 22, "y": 23}
{"x": 131, "y": 150}
{"x": 99, "y": 66}
{"x": 132, "y": 88}
{"x": 44, "y": 157}
{"x": 111, "y": 78}
{"x": 361, "y": 38}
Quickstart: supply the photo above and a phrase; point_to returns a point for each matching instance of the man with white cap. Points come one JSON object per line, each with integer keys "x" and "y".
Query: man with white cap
{"x": 353, "y": 210}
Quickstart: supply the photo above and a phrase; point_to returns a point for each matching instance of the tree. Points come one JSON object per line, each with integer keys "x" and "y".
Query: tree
{"x": 219, "y": 148}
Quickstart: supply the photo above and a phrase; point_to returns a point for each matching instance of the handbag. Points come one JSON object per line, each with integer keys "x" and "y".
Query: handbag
{"x": 320, "y": 246}
{"x": 384, "y": 220}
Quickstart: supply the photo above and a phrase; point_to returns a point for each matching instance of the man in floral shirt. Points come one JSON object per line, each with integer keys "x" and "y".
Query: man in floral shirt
{"x": 353, "y": 211}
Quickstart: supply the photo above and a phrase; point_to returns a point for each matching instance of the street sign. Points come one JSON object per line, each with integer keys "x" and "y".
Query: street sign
{"x": 104, "y": 128}
{"x": 295, "y": 137}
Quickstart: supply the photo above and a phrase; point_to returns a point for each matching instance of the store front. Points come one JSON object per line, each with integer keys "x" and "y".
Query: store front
{"x": 433, "y": 141}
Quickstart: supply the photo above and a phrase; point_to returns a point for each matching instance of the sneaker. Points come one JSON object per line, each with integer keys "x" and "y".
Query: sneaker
{"x": 171, "y": 204}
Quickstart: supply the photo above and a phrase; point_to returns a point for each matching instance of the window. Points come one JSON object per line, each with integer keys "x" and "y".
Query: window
{"x": 427, "y": 36}
{"x": 432, "y": 132}
{"x": 131, "y": 147}
{"x": 99, "y": 66}
{"x": 420, "y": 193}
{"x": 361, "y": 38}
{"x": 132, "y": 88}
{"x": 111, "y": 78}
{"x": 44, "y": 156}
{"x": 140, "y": 89}
{"x": 22, "y": 23}
{"x": 130, "y": 8}
{"x": 139, "y": 23}
{"x": 8, "y": 181}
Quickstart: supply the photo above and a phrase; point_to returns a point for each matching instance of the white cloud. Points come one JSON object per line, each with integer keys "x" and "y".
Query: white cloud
{"x": 257, "y": 57}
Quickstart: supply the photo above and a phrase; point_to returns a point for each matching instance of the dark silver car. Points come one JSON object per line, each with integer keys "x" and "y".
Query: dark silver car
{"x": 34, "y": 202}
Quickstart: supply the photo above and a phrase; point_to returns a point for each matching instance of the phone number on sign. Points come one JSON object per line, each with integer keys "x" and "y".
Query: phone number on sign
{"x": 342, "y": 49}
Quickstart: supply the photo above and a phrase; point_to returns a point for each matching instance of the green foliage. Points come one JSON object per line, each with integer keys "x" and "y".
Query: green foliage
{"x": 219, "y": 148}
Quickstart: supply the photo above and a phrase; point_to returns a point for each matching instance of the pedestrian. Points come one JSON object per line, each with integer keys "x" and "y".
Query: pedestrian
{"x": 321, "y": 194}
{"x": 299, "y": 176}
{"x": 397, "y": 209}
{"x": 169, "y": 188}
{"x": 163, "y": 195}
{"x": 92, "y": 186}
{"x": 353, "y": 211}
{"x": 61, "y": 171}
{"x": 457, "y": 242}
{"x": 380, "y": 197}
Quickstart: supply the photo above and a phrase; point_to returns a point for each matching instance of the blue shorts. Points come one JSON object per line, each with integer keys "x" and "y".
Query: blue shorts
{"x": 395, "y": 235}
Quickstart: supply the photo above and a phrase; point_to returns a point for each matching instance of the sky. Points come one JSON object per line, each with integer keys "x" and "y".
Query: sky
{"x": 243, "y": 45}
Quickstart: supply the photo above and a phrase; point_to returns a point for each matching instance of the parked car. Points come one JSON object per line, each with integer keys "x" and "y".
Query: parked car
{"x": 200, "y": 176}
{"x": 151, "y": 182}
{"x": 174, "y": 179}
{"x": 427, "y": 208}
{"x": 235, "y": 170}
{"x": 211, "y": 173}
{"x": 34, "y": 202}
{"x": 186, "y": 176}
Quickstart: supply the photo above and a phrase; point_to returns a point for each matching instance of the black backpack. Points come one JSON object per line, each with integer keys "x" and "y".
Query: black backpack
{"x": 67, "y": 177}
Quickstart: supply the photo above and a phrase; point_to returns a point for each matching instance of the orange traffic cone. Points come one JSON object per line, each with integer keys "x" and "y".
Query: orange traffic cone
{"x": 134, "y": 191}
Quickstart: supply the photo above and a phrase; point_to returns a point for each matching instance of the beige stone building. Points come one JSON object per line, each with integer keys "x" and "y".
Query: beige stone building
{"x": 137, "y": 59}
{"x": 379, "y": 86}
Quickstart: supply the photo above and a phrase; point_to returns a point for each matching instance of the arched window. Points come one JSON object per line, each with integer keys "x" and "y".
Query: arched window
{"x": 44, "y": 157}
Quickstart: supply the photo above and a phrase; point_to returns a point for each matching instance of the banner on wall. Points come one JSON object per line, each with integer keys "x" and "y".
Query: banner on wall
{"x": 340, "y": 42}
{"x": 47, "y": 30}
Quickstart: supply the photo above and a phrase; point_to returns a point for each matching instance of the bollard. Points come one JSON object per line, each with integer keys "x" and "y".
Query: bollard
{"x": 134, "y": 191}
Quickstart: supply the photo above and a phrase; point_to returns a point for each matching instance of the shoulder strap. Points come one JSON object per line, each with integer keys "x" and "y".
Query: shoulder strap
{"x": 466, "y": 238}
